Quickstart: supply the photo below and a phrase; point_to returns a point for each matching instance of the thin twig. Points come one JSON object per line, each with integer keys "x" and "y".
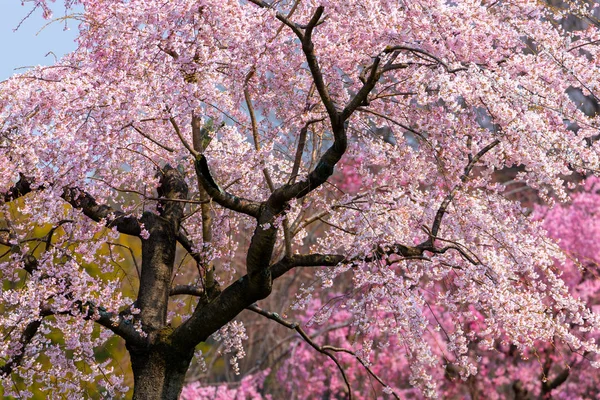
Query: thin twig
{"x": 295, "y": 326}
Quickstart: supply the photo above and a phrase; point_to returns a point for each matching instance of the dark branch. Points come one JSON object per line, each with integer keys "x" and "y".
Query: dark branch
{"x": 310, "y": 260}
{"x": 393, "y": 49}
{"x": 446, "y": 202}
{"x": 315, "y": 70}
{"x": 188, "y": 246}
{"x": 361, "y": 97}
{"x": 321, "y": 349}
{"x": 172, "y": 187}
{"x": 294, "y": 27}
{"x": 561, "y": 378}
{"x": 159, "y": 250}
{"x": 81, "y": 200}
{"x": 21, "y": 188}
{"x": 208, "y": 318}
{"x": 190, "y": 290}
{"x": 365, "y": 366}
{"x": 220, "y": 196}
{"x": 100, "y": 212}
{"x": 26, "y": 337}
{"x": 300, "y": 150}
{"x": 114, "y": 322}
{"x": 117, "y": 323}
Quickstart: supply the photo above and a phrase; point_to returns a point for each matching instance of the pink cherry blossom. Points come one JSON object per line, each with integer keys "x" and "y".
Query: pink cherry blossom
{"x": 189, "y": 156}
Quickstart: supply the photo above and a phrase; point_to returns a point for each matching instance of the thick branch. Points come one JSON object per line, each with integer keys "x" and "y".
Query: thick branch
{"x": 172, "y": 187}
{"x": 207, "y": 319}
{"x": 113, "y": 218}
{"x": 235, "y": 298}
{"x": 561, "y": 378}
{"x": 200, "y": 139}
{"x": 81, "y": 200}
{"x": 361, "y": 97}
{"x": 219, "y": 195}
{"x": 21, "y": 188}
{"x": 189, "y": 290}
{"x": 309, "y": 260}
{"x": 117, "y": 323}
{"x": 260, "y": 253}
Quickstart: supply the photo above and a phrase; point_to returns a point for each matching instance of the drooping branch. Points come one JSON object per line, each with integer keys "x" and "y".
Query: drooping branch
{"x": 393, "y": 49}
{"x": 360, "y": 360}
{"x": 325, "y": 349}
{"x": 448, "y": 199}
{"x": 256, "y": 285}
{"x": 117, "y": 323}
{"x": 295, "y": 326}
{"x": 26, "y": 336}
{"x": 150, "y": 138}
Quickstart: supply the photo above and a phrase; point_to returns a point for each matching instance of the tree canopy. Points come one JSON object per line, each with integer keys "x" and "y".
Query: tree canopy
{"x": 238, "y": 142}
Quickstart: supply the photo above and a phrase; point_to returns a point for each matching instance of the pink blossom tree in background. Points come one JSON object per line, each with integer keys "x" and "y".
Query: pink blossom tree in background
{"x": 546, "y": 370}
{"x": 207, "y": 134}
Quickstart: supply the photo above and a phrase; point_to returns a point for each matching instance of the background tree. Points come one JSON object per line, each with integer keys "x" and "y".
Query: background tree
{"x": 209, "y": 132}
{"x": 547, "y": 370}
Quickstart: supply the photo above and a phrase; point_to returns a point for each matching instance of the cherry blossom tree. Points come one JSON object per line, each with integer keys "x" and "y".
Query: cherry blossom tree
{"x": 209, "y": 131}
{"x": 546, "y": 370}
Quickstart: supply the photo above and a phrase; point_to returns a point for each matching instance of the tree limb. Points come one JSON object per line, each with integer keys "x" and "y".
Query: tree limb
{"x": 310, "y": 260}
{"x": 114, "y": 322}
{"x": 446, "y": 202}
{"x": 220, "y": 196}
{"x": 98, "y": 212}
{"x": 295, "y": 326}
{"x": 190, "y": 290}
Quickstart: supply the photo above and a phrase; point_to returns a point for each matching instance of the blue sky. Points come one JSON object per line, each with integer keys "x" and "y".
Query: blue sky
{"x": 30, "y": 44}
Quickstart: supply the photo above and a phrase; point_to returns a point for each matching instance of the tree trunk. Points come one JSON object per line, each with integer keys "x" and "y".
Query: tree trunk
{"x": 158, "y": 371}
